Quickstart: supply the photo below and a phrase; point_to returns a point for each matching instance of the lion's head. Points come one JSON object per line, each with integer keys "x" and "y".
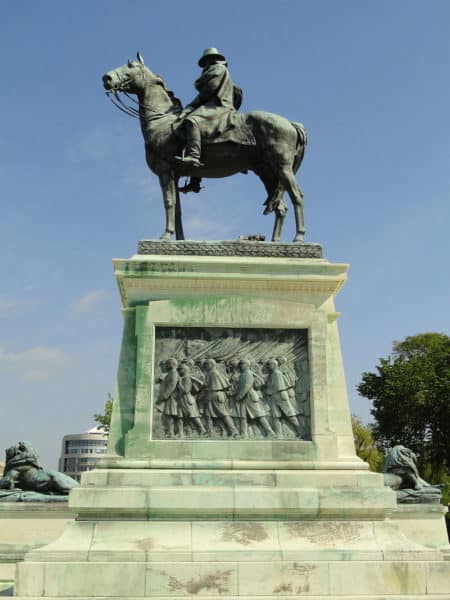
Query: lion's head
{"x": 21, "y": 453}
{"x": 400, "y": 457}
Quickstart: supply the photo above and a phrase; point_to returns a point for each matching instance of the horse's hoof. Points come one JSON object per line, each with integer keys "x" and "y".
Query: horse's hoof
{"x": 299, "y": 238}
{"x": 166, "y": 236}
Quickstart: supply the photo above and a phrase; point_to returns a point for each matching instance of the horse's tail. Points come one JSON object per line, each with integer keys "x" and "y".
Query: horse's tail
{"x": 302, "y": 141}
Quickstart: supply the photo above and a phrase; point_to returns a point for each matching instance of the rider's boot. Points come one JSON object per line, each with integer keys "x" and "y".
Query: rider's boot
{"x": 193, "y": 148}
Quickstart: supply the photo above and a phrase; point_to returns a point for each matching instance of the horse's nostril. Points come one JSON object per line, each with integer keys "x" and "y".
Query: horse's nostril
{"x": 107, "y": 81}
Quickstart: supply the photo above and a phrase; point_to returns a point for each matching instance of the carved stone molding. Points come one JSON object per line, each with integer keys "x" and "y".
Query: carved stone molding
{"x": 127, "y": 284}
{"x": 231, "y": 248}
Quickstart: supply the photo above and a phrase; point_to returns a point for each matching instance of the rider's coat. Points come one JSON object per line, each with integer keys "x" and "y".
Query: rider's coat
{"x": 214, "y": 111}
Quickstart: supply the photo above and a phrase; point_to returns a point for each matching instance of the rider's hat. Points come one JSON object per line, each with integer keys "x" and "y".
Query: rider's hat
{"x": 210, "y": 52}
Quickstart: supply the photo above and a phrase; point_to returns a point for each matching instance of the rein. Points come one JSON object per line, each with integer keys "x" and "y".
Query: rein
{"x": 118, "y": 103}
{"x": 113, "y": 96}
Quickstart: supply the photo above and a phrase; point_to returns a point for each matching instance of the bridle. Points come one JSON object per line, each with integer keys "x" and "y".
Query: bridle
{"x": 131, "y": 111}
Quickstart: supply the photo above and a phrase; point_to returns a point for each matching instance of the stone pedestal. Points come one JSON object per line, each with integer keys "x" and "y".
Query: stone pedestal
{"x": 25, "y": 526}
{"x": 174, "y": 512}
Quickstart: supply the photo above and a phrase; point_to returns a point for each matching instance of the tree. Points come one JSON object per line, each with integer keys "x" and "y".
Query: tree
{"x": 105, "y": 419}
{"x": 411, "y": 400}
{"x": 365, "y": 445}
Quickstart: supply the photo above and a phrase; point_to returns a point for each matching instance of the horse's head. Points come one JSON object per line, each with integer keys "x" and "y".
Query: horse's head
{"x": 129, "y": 78}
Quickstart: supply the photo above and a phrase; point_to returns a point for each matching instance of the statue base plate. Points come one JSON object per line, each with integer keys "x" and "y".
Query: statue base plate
{"x": 231, "y": 248}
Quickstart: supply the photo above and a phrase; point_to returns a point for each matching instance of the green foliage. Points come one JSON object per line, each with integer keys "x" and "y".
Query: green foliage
{"x": 411, "y": 400}
{"x": 105, "y": 419}
{"x": 365, "y": 445}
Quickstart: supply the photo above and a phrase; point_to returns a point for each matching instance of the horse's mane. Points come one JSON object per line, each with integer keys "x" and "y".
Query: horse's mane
{"x": 175, "y": 101}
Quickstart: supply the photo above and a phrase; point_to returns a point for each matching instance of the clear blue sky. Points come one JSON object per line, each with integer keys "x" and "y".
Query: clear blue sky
{"x": 370, "y": 80}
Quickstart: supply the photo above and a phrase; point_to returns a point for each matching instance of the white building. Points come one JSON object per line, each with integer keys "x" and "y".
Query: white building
{"x": 81, "y": 451}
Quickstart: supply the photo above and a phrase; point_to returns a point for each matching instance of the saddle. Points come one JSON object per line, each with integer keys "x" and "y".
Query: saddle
{"x": 228, "y": 127}
{"x": 236, "y": 130}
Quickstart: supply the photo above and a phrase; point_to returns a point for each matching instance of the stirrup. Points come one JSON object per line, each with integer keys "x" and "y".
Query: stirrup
{"x": 190, "y": 187}
{"x": 189, "y": 161}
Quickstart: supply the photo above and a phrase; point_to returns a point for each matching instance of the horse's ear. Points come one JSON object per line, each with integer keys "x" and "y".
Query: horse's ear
{"x": 140, "y": 58}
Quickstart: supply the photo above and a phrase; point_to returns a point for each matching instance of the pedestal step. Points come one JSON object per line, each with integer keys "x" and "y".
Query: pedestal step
{"x": 262, "y": 579}
{"x": 285, "y": 596}
{"x": 237, "y": 559}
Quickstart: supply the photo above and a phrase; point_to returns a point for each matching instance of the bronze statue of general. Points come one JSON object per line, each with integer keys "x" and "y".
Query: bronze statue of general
{"x": 210, "y": 113}
{"x": 210, "y": 138}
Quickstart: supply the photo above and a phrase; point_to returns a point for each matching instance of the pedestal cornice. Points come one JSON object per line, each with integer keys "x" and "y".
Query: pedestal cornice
{"x": 145, "y": 277}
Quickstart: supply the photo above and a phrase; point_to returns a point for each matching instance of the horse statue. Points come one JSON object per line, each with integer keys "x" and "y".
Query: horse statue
{"x": 275, "y": 155}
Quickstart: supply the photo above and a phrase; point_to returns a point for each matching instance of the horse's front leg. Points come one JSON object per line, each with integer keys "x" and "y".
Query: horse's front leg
{"x": 278, "y": 226}
{"x": 179, "y": 232}
{"x": 169, "y": 190}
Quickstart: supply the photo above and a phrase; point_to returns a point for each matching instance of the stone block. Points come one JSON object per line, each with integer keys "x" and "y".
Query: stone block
{"x": 404, "y": 578}
{"x": 251, "y": 450}
{"x": 139, "y": 540}
{"x": 118, "y": 501}
{"x": 29, "y": 579}
{"x": 345, "y": 446}
{"x": 170, "y": 450}
{"x": 235, "y": 541}
{"x": 272, "y": 503}
{"x": 317, "y": 479}
{"x": 94, "y": 477}
{"x": 438, "y": 577}
{"x": 73, "y": 544}
{"x": 234, "y": 478}
{"x": 423, "y": 524}
{"x": 283, "y": 579}
{"x": 356, "y": 579}
{"x": 95, "y": 579}
{"x": 212, "y": 449}
{"x": 391, "y": 540}
{"x": 293, "y": 450}
{"x": 335, "y": 502}
{"x": 378, "y": 498}
{"x": 7, "y": 571}
{"x": 339, "y": 421}
{"x": 149, "y": 477}
{"x": 326, "y": 447}
{"x": 201, "y": 502}
{"x": 328, "y": 540}
{"x": 191, "y": 579}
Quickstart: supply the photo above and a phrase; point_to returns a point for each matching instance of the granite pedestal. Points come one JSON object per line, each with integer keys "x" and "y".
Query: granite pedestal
{"x": 181, "y": 513}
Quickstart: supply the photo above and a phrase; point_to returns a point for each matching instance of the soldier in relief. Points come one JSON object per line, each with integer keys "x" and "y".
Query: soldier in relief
{"x": 167, "y": 402}
{"x": 276, "y": 389}
{"x": 218, "y": 408}
{"x": 248, "y": 401}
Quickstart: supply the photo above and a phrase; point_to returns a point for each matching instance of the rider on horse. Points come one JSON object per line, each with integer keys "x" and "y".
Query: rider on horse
{"x": 210, "y": 113}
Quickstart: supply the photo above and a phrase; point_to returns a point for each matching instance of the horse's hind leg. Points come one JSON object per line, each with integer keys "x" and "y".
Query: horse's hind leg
{"x": 289, "y": 182}
{"x": 274, "y": 202}
{"x": 278, "y": 226}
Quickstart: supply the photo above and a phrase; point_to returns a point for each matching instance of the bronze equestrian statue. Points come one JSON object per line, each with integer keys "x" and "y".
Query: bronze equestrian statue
{"x": 209, "y": 138}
